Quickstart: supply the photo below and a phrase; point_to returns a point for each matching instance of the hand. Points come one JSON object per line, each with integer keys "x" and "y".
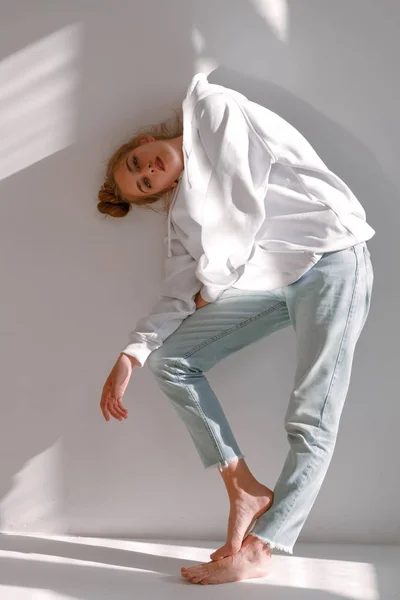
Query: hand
{"x": 114, "y": 388}
{"x": 200, "y": 302}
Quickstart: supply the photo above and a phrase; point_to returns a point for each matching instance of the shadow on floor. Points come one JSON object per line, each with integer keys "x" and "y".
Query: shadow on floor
{"x": 37, "y": 564}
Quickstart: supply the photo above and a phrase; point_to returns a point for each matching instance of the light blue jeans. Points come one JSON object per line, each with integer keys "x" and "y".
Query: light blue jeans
{"x": 328, "y": 307}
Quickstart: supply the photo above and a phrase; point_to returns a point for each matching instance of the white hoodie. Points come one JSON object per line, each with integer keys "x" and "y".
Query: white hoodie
{"x": 255, "y": 209}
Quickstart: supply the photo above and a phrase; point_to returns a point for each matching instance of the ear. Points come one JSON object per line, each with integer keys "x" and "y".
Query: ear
{"x": 146, "y": 140}
{"x": 171, "y": 187}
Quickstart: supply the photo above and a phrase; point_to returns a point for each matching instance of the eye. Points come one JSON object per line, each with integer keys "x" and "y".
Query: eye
{"x": 147, "y": 182}
{"x": 135, "y": 162}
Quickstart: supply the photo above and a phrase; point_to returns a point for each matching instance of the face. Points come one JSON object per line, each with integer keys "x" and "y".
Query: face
{"x": 150, "y": 168}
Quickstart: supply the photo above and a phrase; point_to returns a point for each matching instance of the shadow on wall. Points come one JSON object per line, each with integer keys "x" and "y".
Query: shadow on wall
{"x": 336, "y": 47}
{"x": 343, "y": 153}
{"x": 349, "y": 158}
{"x": 250, "y": 55}
{"x": 52, "y": 385}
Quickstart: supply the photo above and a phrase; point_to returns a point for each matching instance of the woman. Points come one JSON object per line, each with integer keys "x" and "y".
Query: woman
{"x": 261, "y": 234}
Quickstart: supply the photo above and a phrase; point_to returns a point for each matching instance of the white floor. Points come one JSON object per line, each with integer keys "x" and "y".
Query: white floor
{"x": 71, "y": 568}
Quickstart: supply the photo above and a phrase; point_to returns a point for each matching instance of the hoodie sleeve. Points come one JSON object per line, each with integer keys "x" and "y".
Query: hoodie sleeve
{"x": 240, "y": 163}
{"x": 176, "y": 302}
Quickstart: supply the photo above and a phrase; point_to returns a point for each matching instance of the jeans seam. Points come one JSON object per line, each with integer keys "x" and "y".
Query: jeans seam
{"x": 342, "y": 345}
{"x": 367, "y": 263}
{"x": 339, "y": 356}
{"x": 201, "y": 412}
{"x": 300, "y": 487}
{"x": 202, "y": 345}
{"x": 226, "y": 332}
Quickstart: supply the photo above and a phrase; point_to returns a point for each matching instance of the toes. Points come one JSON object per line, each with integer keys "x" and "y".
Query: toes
{"x": 224, "y": 551}
{"x": 201, "y": 573}
{"x": 221, "y": 551}
{"x": 193, "y": 570}
{"x": 216, "y": 555}
{"x": 190, "y": 573}
{"x": 220, "y": 556}
{"x": 194, "y": 573}
{"x": 184, "y": 573}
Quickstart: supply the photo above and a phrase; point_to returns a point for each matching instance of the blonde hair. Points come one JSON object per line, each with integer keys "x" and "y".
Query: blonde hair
{"x": 110, "y": 199}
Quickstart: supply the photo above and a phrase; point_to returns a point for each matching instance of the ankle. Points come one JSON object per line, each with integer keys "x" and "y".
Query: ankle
{"x": 238, "y": 477}
{"x": 235, "y": 470}
{"x": 257, "y": 546}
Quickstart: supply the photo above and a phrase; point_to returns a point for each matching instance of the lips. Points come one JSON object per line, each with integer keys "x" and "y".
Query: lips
{"x": 160, "y": 164}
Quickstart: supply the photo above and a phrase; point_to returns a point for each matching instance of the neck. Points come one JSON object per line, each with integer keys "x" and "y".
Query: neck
{"x": 177, "y": 144}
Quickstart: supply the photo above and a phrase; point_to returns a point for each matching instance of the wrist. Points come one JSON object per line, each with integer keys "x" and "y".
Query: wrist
{"x": 134, "y": 361}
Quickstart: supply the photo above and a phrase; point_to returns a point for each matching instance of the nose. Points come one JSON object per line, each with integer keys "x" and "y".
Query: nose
{"x": 149, "y": 168}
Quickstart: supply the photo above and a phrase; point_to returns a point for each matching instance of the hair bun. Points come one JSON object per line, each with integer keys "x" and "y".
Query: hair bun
{"x": 107, "y": 193}
{"x": 114, "y": 209}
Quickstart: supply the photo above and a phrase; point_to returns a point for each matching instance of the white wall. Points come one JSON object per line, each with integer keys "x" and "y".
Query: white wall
{"x": 73, "y": 283}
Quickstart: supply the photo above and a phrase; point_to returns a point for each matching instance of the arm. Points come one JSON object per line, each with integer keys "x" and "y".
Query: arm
{"x": 176, "y": 302}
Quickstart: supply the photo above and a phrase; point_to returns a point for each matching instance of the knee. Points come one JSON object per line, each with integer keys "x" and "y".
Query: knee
{"x": 312, "y": 437}
{"x": 155, "y": 361}
{"x": 162, "y": 364}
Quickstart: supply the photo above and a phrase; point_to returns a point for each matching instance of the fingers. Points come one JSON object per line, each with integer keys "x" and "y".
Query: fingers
{"x": 111, "y": 405}
{"x": 105, "y": 412}
{"x": 119, "y": 408}
{"x": 115, "y": 408}
{"x": 104, "y": 401}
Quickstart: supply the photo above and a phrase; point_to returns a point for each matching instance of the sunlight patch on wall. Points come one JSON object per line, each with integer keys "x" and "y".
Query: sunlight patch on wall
{"x": 276, "y": 13}
{"x": 34, "y": 504}
{"x": 37, "y": 104}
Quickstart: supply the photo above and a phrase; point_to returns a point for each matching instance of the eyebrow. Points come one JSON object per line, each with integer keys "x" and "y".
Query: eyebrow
{"x": 132, "y": 171}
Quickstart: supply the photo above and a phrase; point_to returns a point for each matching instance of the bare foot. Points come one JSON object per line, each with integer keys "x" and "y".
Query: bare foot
{"x": 245, "y": 507}
{"x": 252, "y": 561}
